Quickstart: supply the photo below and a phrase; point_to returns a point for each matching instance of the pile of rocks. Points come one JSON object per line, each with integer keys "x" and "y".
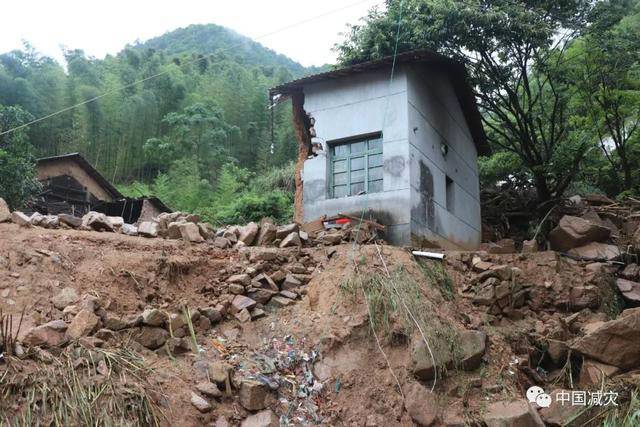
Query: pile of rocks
{"x": 190, "y": 228}
{"x": 264, "y": 279}
{"x": 498, "y": 287}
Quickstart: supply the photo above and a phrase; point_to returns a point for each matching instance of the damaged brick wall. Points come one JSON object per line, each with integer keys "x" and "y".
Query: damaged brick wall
{"x": 301, "y": 125}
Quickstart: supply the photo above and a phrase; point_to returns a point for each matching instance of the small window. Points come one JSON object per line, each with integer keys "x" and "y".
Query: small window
{"x": 356, "y": 167}
{"x": 450, "y": 194}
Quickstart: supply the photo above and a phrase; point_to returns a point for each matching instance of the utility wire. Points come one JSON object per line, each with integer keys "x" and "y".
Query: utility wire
{"x": 118, "y": 89}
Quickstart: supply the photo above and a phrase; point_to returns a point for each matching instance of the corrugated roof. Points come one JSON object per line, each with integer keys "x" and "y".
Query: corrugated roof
{"x": 88, "y": 168}
{"x": 455, "y": 70}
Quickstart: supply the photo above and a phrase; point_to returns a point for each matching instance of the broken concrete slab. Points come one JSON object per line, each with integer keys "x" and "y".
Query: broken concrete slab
{"x": 284, "y": 230}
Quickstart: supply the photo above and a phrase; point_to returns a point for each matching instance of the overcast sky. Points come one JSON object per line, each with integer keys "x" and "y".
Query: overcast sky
{"x": 102, "y": 27}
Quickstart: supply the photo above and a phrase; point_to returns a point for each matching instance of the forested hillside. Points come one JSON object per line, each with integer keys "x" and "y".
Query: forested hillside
{"x": 208, "y": 107}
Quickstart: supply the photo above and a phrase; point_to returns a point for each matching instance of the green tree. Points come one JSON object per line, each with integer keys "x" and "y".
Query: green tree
{"x": 512, "y": 51}
{"x": 17, "y": 166}
{"x": 604, "y": 66}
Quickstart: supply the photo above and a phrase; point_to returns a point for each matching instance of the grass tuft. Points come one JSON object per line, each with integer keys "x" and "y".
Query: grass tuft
{"x": 388, "y": 297}
{"x": 81, "y": 387}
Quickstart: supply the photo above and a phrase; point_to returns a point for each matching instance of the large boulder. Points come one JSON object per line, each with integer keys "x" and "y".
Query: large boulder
{"x": 616, "y": 342}
{"x": 635, "y": 241}
{"x": 572, "y": 232}
{"x": 516, "y": 413}
{"x": 97, "y": 221}
{"x": 48, "y": 335}
{"x": 5, "y": 213}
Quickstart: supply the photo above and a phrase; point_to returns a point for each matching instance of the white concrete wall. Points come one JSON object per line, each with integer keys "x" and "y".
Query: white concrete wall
{"x": 435, "y": 117}
{"x": 350, "y": 107}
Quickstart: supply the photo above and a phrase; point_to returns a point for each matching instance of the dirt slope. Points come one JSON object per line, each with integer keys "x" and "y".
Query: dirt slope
{"x": 320, "y": 351}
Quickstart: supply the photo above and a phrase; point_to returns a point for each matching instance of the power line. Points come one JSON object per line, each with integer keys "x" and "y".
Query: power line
{"x": 137, "y": 82}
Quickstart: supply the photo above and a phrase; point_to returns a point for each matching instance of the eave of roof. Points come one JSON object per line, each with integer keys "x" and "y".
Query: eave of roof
{"x": 88, "y": 168}
{"x": 456, "y": 72}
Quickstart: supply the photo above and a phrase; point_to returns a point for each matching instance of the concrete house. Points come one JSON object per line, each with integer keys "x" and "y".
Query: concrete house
{"x": 405, "y": 149}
